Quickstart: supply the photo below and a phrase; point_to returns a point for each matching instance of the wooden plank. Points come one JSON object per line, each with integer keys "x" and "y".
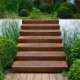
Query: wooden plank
{"x": 38, "y": 77}
{"x": 15, "y": 77}
{"x": 65, "y": 78}
{"x": 9, "y": 76}
{"x": 23, "y": 76}
{"x": 45, "y": 76}
{"x": 52, "y": 76}
{"x": 30, "y": 77}
{"x": 60, "y": 77}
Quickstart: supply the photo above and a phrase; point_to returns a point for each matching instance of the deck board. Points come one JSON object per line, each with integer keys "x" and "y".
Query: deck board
{"x": 30, "y": 76}
{"x": 38, "y": 77}
{"x": 35, "y": 76}
{"x": 45, "y": 77}
{"x": 52, "y": 76}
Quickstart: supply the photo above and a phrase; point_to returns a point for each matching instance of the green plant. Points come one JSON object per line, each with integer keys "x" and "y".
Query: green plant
{"x": 36, "y": 13}
{"x": 70, "y": 6}
{"x": 64, "y": 12}
{"x": 1, "y": 11}
{"x": 69, "y": 36}
{"x": 75, "y": 50}
{"x": 2, "y": 8}
{"x": 74, "y": 71}
{"x": 25, "y": 4}
{"x": 46, "y": 7}
{"x": 37, "y": 3}
{"x": 7, "y": 51}
{"x": 10, "y": 29}
{"x": 11, "y": 5}
{"x": 1, "y": 72}
{"x": 24, "y": 12}
{"x": 57, "y": 5}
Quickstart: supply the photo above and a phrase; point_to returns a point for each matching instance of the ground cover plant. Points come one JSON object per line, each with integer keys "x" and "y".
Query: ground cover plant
{"x": 71, "y": 40}
{"x": 2, "y": 75}
{"x": 10, "y": 29}
{"x": 74, "y": 71}
{"x": 70, "y": 36}
{"x": 8, "y": 45}
{"x": 24, "y": 9}
{"x": 7, "y": 51}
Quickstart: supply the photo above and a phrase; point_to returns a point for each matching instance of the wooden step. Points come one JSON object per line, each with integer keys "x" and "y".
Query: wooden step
{"x": 41, "y": 55}
{"x": 37, "y": 21}
{"x": 40, "y": 47}
{"x": 40, "y": 26}
{"x": 40, "y": 39}
{"x": 40, "y": 33}
{"x": 39, "y": 66}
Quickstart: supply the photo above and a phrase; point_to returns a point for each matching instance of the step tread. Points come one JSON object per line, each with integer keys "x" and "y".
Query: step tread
{"x": 40, "y": 25}
{"x": 40, "y": 64}
{"x": 42, "y": 21}
{"x": 40, "y": 45}
{"x": 40, "y": 30}
{"x": 41, "y": 53}
{"x": 40, "y": 37}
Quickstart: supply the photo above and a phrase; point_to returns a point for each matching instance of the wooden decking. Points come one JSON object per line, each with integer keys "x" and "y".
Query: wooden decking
{"x": 34, "y": 76}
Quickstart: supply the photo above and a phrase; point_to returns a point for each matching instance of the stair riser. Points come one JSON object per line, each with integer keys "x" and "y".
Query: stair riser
{"x": 40, "y": 40}
{"x": 38, "y": 58}
{"x": 39, "y": 69}
{"x": 40, "y": 33}
{"x": 40, "y": 49}
{"x": 40, "y": 27}
{"x": 40, "y": 21}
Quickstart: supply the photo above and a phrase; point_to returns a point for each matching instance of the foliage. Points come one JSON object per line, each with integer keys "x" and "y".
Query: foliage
{"x": 46, "y": 8}
{"x": 75, "y": 50}
{"x": 24, "y": 12}
{"x": 37, "y": 3}
{"x": 36, "y": 13}
{"x": 11, "y": 5}
{"x": 74, "y": 71}
{"x": 70, "y": 6}
{"x": 57, "y": 5}
{"x": 2, "y": 8}
{"x": 1, "y": 72}
{"x": 69, "y": 37}
{"x": 10, "y": 29}
{"x": 25, "y": 4}
{"x": 7, "y": 51}
{"x": 64, "y": 12}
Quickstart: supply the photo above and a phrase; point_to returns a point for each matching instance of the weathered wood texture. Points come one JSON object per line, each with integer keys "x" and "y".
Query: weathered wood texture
{"x": 35, "y": 76}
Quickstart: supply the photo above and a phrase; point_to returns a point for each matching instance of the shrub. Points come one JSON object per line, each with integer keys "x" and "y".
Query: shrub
{"x": 23, "y": 12}
{"x": 10, "y": 29}
{"x": 36, "y": 14}
{"x": 1, "y": 72}
{"x": 7, "y": 51}
{"x": 75, "y": 50}
{"x": 25, "y": 4}
{"x": 57, "y": 5}
{"x": 46, "y": 8}
{"x": 37, "y": 3}
{"x": 70, "y": 6}
{"x": 2, "y": 9}
{"x": 11, "y": 5}
{"x": 70, "y": 33}
{"x": 64, "y": 12}
{"x": 74, "y": 71}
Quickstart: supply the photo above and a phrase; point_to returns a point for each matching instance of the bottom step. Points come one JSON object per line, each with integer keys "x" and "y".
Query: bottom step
{"x": 39, "y": 66}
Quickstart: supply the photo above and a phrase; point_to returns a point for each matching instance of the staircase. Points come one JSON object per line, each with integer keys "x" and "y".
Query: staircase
{"x": 40, "y": 47}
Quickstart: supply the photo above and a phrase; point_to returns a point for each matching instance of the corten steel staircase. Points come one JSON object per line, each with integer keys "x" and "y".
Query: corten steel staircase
{"x": 40, "y": 47}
